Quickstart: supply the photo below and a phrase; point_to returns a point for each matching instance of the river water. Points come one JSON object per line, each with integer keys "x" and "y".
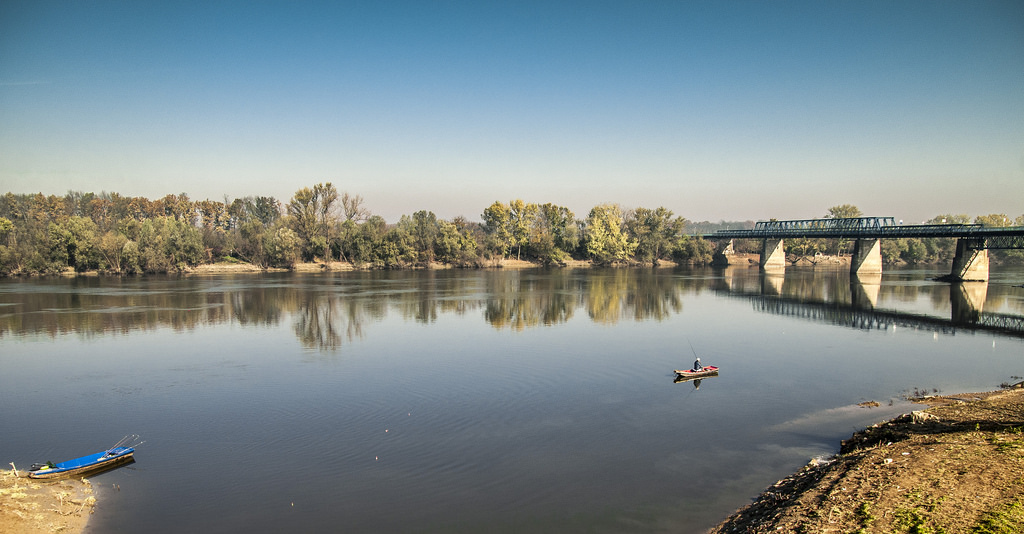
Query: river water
{"x": 469, "y": 401}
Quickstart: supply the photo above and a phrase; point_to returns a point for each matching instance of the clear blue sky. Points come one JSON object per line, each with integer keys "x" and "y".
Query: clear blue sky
{"x": 715, "y": 110}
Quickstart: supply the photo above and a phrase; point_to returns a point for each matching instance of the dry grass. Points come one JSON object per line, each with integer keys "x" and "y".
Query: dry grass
{"x": 30, "y": 506}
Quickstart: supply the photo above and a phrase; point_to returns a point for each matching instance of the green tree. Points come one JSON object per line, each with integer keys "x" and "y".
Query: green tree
{"x": 424, "y": 229}
{"x": 554, "y": 234}
{"x": 167, "y": 244}
{"x": 111, "y": 247}
{"x": 893, "y": 249}
{"x": 693, "y": 250}
{"x": 73, "y": 243}
{"x": 281, "y": 246}
{"x": 605, "y": 239}
{"x": 522, "y": 216}
{"x": 454, "y": 245}
{"x": 498, "y": 228}
{"x": 655, "y": 232}
{"x": 6, "y": 230}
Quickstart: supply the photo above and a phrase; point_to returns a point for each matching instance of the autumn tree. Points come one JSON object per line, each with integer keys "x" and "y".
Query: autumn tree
{"x": 605, "y": 239}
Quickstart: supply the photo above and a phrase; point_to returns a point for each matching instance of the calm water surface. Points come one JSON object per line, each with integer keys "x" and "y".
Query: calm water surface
{"x": 464, "y": 401}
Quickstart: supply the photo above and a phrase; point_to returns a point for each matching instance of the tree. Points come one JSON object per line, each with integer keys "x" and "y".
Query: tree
{"x": 521, "y": 219}
{"x": 111, "y": 246}
{"x": 454, "y": 245}
{"x": 6, "y": 230}
{"x": 993, "y": 220}
{"x": 424, "y": 230}
{"x": 498, "y": 228}
{"x": 843, "y": 211}
{"x": 312, "y": 216}
{"x": 605, "y": 239}
{"x": 327, "y": 196}
{"x": 654, "y": 231}
{"x": 554, "y": 235}
{"x": 693, "y": 250}
{"x": 352, "y": 208}
{"x": 73, "y": 243}
{"x": 280, "y": 246}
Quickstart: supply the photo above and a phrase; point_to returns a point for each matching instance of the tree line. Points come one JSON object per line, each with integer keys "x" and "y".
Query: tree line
{"x": 114, "y": 233}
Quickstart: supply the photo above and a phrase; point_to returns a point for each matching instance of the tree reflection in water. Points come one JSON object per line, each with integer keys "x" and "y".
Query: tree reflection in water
{"x": 330, "y": 309}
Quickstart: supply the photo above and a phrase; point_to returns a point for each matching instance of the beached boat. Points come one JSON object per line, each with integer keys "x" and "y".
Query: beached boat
{"x": 690, "y": 374}
{"x": 119, "y": 454}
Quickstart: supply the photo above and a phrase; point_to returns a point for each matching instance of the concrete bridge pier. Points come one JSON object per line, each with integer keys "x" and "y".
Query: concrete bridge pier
{"x": 867, "y": 257}
{"x": 723, "y": 254}
{"x": 773, "y": 255}
{"x": 970, "y": 264}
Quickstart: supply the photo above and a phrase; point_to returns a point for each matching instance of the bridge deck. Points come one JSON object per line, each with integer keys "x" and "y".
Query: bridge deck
{"x": 876, "y": 228}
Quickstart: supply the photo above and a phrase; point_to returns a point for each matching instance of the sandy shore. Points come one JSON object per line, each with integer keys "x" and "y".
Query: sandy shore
{"x": 30, "y": 506}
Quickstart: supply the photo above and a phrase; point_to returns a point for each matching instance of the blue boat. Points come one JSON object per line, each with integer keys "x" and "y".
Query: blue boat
{"x": 121, "y": 453}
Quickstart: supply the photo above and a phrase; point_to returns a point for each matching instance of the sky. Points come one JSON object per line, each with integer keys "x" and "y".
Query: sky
{"x": 715, "y": 110}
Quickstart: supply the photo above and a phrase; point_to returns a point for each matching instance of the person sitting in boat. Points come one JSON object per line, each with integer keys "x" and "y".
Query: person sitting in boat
{"x": 697, "y": 366}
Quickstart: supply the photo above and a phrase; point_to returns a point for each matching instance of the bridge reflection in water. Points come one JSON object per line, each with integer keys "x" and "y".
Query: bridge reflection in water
{"x": 966, "y": 301}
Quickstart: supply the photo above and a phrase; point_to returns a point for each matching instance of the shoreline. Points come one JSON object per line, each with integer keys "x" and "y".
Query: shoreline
{"x": 30, "y": 506}
{"x": 955, "y": 467}
{"x": 737, "y": 260}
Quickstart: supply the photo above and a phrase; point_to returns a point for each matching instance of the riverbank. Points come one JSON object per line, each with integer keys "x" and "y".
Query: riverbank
{"x": 30, "y": 506}
{"x": 956, "y": 467}
{"x": 341, "y": 266}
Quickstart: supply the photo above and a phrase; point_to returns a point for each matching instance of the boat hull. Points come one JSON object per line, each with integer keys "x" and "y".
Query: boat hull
{"x": 93, "y": 463}
{"x": 690, "y": 374}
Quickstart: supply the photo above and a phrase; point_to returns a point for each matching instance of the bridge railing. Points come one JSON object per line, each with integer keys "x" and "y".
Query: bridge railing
{"x": 855, "y": 224}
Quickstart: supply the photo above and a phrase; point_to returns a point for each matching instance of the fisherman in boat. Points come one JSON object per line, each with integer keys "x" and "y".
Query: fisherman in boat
{"x": 697, "y": 366}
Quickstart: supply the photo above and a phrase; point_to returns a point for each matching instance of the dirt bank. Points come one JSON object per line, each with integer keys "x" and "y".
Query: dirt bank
{"x": 30, "y": 506}
{"x": 956, "y": 467}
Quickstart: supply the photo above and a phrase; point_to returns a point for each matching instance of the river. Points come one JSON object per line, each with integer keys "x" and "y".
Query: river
{"x": 476, "y": 400}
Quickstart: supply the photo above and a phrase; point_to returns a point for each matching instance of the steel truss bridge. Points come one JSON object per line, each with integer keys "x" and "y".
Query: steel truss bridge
{"x": 980, "y": 236}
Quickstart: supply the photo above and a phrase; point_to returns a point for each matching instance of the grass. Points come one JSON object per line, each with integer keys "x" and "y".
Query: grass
{"x": 1008, "y": 520}
{"x": 864, "y": 517}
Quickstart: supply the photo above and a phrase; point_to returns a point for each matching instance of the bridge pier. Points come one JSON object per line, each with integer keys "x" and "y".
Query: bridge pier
{"x": 867, "y": 257}
{"x": 970, "y": 264}
{"x": 723, "y": 254}
{"x": 773, "y": 256}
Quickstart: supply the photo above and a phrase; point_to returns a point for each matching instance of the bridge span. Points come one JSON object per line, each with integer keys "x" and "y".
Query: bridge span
{"x": 969, "y": 264}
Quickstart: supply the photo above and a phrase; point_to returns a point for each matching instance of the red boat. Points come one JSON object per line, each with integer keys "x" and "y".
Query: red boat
{"x": 689, "y": 374}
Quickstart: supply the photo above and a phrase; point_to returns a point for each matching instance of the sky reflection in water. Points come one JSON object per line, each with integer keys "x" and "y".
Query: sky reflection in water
{"x": 465, "y": 400}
